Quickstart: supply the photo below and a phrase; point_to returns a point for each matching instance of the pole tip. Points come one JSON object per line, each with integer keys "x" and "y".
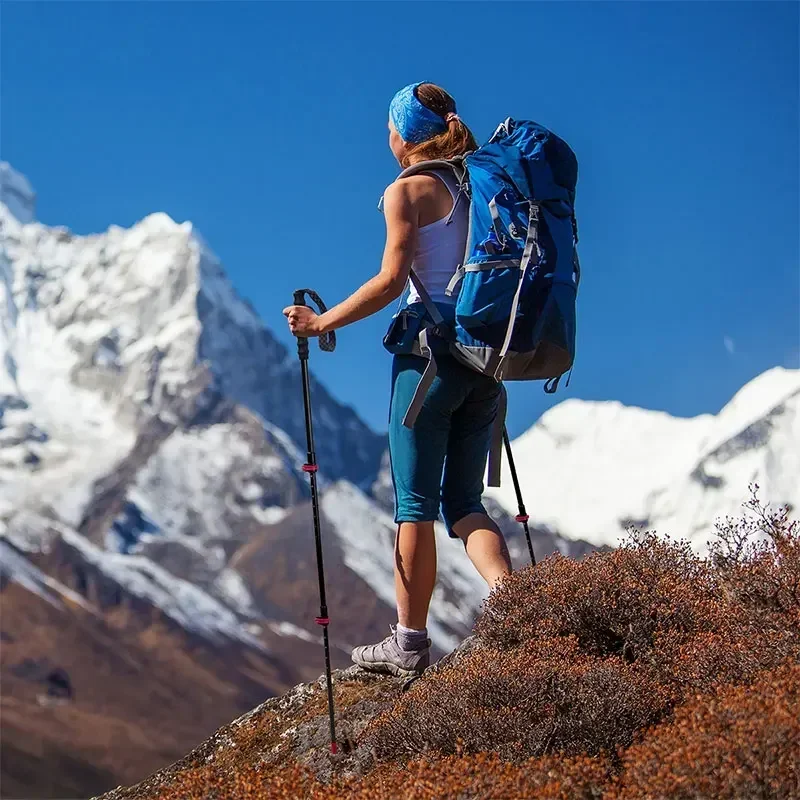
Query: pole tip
{"x": 334, "y": 748}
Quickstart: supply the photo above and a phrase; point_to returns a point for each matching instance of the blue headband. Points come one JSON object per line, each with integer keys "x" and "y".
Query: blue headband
{"x": 414, "y": 121}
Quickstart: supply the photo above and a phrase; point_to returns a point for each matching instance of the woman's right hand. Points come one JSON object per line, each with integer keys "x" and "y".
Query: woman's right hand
{"x": 303, "y": 321}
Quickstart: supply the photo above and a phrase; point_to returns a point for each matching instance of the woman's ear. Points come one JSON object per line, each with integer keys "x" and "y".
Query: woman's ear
{"x": 396, "y": 143}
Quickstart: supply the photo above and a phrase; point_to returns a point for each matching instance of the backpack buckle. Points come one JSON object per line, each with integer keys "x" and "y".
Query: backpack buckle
{"x": 441, "y": 331}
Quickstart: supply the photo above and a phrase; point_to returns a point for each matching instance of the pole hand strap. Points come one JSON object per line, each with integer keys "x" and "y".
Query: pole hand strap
{"x": 327, "y": 341}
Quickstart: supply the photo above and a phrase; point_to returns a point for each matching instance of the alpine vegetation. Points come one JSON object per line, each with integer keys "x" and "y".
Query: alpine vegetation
{"x": 643, "y": 672}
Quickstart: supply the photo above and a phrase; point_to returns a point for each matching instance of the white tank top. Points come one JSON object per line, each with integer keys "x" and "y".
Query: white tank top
{"x": 440, "y": 248}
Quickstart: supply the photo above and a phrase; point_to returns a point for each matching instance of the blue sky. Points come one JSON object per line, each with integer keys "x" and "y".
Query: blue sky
{"x": 265, "y": 124}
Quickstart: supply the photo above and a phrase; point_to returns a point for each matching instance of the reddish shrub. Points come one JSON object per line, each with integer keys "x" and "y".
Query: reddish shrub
{"x": 742, "y": 743}
{"x": 577, "y": 656}
{"x": 613, "y": 603}
{"x": 539, "y": 698}
{"x": 248, "y": 782}
{"x": 481, "y": 776}
{"x": 758, "y": 559}
{"x": 652, "y": 602}
{"x": 455, "y": 778}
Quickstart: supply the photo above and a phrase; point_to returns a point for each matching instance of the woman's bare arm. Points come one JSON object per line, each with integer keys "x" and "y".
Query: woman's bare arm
{"x": 402, "y": 218}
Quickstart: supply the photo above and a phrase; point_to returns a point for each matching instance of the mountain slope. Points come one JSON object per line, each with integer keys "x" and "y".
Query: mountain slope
{"x": 88, "y": 668}
{"x": 644, "y": 672}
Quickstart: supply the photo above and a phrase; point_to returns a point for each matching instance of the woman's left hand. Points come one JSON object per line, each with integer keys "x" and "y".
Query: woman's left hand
{"x": 303, "y": 321}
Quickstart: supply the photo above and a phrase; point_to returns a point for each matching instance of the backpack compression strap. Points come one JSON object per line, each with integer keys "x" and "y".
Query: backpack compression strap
{"x": 426, "y": 299}
{"x": 531, "y": 242}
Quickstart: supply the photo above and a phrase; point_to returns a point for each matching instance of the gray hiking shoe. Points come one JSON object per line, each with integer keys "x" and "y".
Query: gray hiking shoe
{"x": 388, "y": 657}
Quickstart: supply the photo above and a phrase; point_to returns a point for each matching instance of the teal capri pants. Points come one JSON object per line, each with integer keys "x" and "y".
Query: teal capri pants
{"x": 441, "y": 462}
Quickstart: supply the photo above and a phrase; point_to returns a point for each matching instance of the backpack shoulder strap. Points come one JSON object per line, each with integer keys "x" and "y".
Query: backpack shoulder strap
{"x": 454, "y": 165}
{"x": 459, "y": 169}
{"x": 426, "y": 299}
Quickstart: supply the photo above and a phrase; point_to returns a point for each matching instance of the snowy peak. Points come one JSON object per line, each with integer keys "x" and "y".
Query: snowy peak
{"x": 590, "y": 469}
{"x": 755, "y": 401}
{"x": 143, "y": 322}
{"x": 16, "y": 194}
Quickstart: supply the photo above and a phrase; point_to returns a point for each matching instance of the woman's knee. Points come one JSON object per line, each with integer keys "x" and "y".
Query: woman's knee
{"x": 455, "y": 510}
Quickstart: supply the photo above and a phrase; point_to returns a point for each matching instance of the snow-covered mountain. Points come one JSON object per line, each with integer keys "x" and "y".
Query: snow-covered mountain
{"x": 141, "y": 323}
{"x": 591, "y": 469}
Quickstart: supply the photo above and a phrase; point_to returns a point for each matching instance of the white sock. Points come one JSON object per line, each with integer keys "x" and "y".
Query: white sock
{"x": 411, "y": 638}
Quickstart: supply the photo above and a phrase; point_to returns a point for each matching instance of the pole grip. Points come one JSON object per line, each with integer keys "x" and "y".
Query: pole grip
{"x": 299, "y": 299}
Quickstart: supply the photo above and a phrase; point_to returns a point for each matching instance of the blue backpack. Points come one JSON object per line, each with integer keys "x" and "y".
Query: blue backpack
{"x": 517, "y": 287}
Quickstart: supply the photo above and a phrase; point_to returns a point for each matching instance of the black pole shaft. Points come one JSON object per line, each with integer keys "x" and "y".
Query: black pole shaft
{"x": 311, "y": 460}
{"x": 522, "y": 517}
{"x": 311, "y": 468}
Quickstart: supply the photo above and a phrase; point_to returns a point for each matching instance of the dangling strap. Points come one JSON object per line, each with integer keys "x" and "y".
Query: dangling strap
{"x": 425, "y": 351}
{"x": 425, "y": 381}
{"x": 552, "y": 384}
{"x": 496, "y": 446}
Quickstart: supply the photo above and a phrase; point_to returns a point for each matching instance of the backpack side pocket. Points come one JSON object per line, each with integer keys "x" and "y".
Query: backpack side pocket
{"x": 403, "y": 332}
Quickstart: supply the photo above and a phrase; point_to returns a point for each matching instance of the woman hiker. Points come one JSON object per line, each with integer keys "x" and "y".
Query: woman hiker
{"x": 442, "y": 459}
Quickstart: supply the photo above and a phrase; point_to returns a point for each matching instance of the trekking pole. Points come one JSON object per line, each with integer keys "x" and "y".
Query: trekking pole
{"x": 523, "y": 515}
{"x": 327, "y": 342}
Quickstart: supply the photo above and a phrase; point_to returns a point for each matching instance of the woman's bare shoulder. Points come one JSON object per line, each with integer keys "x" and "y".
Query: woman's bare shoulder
{"x": 419, "y": 179}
